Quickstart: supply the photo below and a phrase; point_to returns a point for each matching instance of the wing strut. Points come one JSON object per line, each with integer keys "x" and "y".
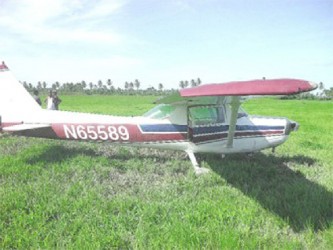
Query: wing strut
{"x": 235, "y": 103}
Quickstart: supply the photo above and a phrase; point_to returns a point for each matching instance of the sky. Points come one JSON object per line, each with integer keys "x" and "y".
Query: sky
{"x": 167, "y": 41}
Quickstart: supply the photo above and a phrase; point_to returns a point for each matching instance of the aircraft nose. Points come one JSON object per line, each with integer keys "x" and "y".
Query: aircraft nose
{"x": 291, "y": 126}
{"x": 294, "y": 126}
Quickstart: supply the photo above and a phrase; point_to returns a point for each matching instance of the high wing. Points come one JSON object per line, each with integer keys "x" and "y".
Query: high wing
{"x": 253, "y": 87}
{"x": 232, "y": 92}
{"x": 208, "y": 93}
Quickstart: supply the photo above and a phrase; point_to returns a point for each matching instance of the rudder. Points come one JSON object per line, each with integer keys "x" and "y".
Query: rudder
{"x": 14, "y": 97}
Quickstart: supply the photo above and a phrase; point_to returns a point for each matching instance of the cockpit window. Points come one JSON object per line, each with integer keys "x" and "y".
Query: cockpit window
{"x": 204, "y": 115}
{"x": 161, "y": 111}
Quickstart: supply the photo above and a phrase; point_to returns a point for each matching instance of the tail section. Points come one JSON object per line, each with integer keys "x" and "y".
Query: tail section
{"x": 14, "y": 98}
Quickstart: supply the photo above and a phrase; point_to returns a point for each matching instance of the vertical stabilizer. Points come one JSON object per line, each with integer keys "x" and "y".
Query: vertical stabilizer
{"x": 14, "y": 98}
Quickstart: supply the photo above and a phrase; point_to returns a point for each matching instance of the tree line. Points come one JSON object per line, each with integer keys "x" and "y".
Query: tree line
{"x": 106, "y": 88}
{"x": 134, "y": 88}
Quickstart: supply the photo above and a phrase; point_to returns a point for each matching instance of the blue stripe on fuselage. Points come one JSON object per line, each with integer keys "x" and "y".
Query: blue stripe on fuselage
{"x": 163, "y": 128}
{"x": 174, "y": 128}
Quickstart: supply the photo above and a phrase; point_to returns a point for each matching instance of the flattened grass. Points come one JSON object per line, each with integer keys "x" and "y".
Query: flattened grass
{"x": 78, "y": 195}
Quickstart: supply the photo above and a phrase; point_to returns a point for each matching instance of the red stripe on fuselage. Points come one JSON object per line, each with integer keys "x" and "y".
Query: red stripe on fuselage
{"x": 259, "y": 133}
{"x": 8, "y": 124}
{"x": 123, "y": 133}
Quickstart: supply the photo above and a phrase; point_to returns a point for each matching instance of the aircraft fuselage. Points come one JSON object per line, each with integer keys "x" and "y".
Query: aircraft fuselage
{"x": 252, "y": 133}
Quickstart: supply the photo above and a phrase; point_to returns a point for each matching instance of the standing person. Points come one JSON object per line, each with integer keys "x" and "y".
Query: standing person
{"x": 49, "y": 101}
{"x": 36, "y": 97}
{"x": 56, "y": 100}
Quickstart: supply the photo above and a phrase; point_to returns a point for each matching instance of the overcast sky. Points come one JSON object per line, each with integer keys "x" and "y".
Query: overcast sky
{"x": 167, "y": 41}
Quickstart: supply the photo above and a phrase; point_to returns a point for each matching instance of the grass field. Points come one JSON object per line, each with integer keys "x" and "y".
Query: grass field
{"x": 96, "y": 196}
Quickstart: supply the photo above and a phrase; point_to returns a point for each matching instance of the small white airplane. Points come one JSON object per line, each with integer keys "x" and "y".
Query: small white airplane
{"x": 203, "y": 119}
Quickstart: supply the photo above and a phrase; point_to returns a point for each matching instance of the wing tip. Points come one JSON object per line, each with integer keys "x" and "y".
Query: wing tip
{"x": 313, "y": 85}
{"x": 3, "y": 66}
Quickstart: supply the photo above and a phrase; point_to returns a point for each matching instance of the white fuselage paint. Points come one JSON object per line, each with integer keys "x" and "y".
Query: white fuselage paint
{"x": 108, "y": 128}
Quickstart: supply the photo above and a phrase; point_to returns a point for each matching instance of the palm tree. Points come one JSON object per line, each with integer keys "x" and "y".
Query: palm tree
{"x": 126, "y": 85}
{"x": 39, "y": 85}
{"x": 84, "y": 84}
{"x": 186, "y": 84}
{"x": 71, "y": 86}
{"x": 100, "y": 84}
{"x": 137, "y": 84}
{"x": 44, "y": 85}
{"x": 109, "y": 83}
{"x": 131, "y": 85}
{"x": 181, "y": 84}
{"x": 198, "y": 81}
{"x": 160, "y": 86}
{"x": 57, "y": 85}
{"x": 321, "y": 87}
{"x": 193, "y": 83}
{"x": 78, "y": 87}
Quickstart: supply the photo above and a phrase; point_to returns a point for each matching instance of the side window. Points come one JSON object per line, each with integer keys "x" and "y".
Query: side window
{"x": 205, "y": 115}
{"x": 221, "y": 116}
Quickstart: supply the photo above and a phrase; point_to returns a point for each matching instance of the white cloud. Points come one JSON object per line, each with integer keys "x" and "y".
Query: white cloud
{"x": 50, "y": 69}
{"x": 102, "y": 9}
{"x": 59, "y": 40}
{"x": 59, "y": 20}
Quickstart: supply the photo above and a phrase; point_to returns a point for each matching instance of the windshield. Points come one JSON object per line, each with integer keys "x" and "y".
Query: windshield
{"x": 161, "y": 111}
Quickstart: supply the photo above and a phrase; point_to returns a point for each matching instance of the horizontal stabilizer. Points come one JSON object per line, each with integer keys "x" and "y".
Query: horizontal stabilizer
{"x": 24, "y": 127}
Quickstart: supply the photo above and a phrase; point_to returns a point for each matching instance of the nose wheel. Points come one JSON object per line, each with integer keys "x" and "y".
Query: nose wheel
{"x": 197, "y": 169}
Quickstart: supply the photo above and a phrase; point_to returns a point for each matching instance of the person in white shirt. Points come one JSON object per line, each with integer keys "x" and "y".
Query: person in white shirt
{"x": 49, "y": 101}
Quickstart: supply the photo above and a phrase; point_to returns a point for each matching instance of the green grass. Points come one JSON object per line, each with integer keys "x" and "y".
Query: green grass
{"x": 113, "y": 105}
{"x": 58, "y": 194}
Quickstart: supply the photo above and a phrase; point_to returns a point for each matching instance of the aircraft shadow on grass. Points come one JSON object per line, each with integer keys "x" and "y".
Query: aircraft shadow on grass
{"x": 287, "y": 193}
{"x": 59, "y": 153}
{"x": 266, "y": 178}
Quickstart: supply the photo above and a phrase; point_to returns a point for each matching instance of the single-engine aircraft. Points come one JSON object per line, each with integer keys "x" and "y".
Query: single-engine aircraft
{"x": 203, "y": 119}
